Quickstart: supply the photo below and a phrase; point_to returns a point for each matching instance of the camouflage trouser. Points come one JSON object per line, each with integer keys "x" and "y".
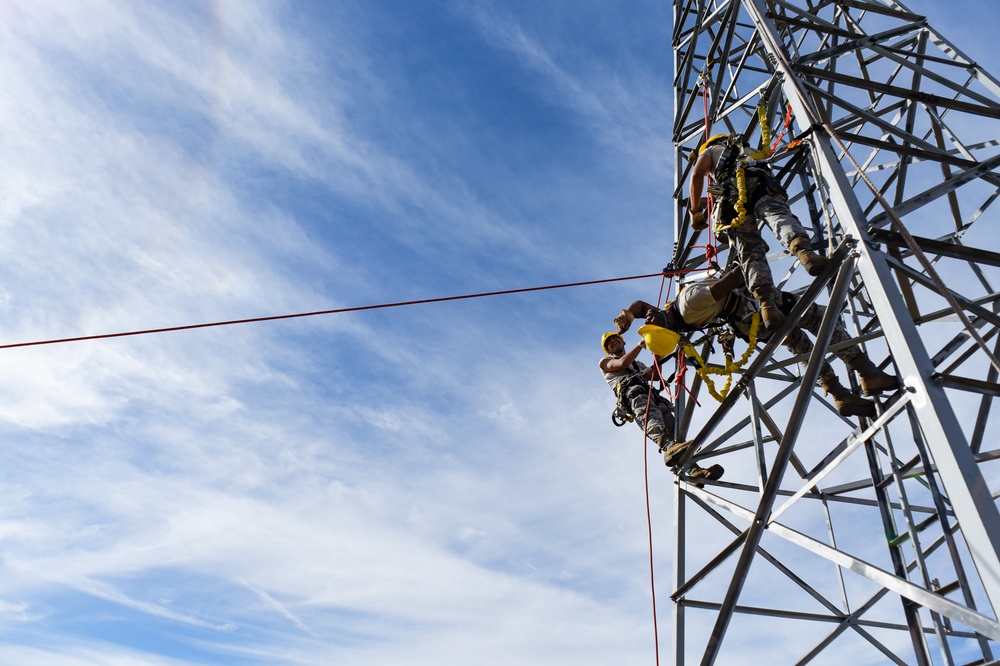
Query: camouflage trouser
{"x": 751, "y": 250}
{"x": 751, "y": 253}
{"x": 774, "y": 211}
{"x": 798, "y": 342}
{"x": 659, "y": 419}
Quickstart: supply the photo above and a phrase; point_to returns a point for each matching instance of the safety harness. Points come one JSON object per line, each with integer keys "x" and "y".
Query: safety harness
{"x": 704, "y": 370}
{"x": 626, "y": 390}
{"x": 729, "y": 312}
{"x": 741, "y": 179}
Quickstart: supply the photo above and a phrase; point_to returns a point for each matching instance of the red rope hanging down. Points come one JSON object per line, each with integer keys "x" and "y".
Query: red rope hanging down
{"x": 645, "y": 471}
{"x": 679, "y": 377}
{"x": 711, "y": 248}
{"x": 649, "y": 526}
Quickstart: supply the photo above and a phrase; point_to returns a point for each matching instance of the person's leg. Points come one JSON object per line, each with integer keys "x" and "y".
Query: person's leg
{"x": 873, "y": 380}
{"x": 774, "y": 211}
{"x": 651, "y": 416}
{"x": 751, "y": 252}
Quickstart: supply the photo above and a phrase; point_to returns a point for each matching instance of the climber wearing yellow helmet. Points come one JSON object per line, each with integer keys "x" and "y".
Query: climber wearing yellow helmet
{"x": 723, "y": 302}
{"x": 638, "y": 401}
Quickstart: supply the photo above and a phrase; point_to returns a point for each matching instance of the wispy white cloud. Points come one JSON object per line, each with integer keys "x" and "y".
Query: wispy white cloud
{"x": 279, "y": 607}
{"x": 624, "y": 106}
{"x": 406, "y": 486}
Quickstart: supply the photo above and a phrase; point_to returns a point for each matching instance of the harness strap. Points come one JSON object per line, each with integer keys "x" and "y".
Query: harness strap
{"x": 634, "y": 379}
{"x": 704, "y": 370}
{"x": 733, "y": 301}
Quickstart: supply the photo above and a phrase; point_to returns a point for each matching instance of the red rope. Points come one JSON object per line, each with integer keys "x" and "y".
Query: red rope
{"x": 645, "y": 470}
{"x": 679, "y": 378}
{"x": 682, "y": 362}
{"x": 649, "y": 520}
{"x": 788, "y": 120}
{"x": 359, "y": 308}
{"x": 711, "y": 248}
{"x": 649, "y": 530}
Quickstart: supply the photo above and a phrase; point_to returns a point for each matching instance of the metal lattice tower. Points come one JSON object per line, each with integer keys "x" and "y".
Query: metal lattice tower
{"x": 833, "y": 540}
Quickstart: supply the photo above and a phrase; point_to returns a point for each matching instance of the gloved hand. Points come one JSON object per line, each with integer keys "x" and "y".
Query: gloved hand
{"x": 699, "y": 220}
{"x": 624, "y": 320}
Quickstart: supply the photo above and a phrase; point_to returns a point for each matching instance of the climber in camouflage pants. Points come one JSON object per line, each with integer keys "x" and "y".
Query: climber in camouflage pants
{"x": 714, "y": 303}
{"x": 767, "y": 202}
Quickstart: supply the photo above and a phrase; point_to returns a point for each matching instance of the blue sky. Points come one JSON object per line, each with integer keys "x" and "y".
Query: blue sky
{"x": 431, "y": 484}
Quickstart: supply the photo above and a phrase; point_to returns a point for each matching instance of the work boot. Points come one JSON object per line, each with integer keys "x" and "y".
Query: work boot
{"x": 700, "y": 473}
{"x": 769, "y": 311}
{"x": 802, "y": 249}
{"x": 847, "y": 403}
{"x": 674, "y": 452}
{"x": 873, "y": 380}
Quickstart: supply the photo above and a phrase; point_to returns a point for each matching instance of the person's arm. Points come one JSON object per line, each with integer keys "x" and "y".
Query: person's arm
{"x": 619, "y": 364}
{"x": 729, "y": 282}
{"x": 702, "y": 167}
{"x": 637, "y": 310}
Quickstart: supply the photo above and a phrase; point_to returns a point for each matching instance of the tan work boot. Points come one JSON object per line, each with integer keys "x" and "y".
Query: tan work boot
{"x": 769, "y": 311}
{"x": 873, "y": 380}
{"x": 802, "y": 249}
{"x": 700, "y": 473}
{"x": 674, "y": 452}
{"x": 847, "y": 403}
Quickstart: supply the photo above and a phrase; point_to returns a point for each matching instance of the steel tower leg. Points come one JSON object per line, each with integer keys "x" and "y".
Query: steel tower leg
{"x": 834, "y": 539}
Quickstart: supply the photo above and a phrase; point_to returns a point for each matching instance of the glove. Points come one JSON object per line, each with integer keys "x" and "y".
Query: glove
{"x": 624, "y": 320}
{"x": 699, "y": 220}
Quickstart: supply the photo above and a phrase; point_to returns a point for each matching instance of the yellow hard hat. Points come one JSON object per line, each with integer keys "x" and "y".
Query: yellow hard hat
{"x": 661, "y": 341}
{"x": 711, "y": 140}
{"x": 607, "y": 336}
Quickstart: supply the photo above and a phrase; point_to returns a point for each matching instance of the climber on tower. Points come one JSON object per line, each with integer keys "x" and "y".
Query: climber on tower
{"x": 718, "y": 302}
{"x": 739, "y": 182}
{"x": 629, "y": 378}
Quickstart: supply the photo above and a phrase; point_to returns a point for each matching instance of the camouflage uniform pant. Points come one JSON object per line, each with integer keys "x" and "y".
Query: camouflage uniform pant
{"x": 774, "y": 211}
{"x": 751, "y": 253}
{"x": 751, "y": 249}
{"x": 798, "y": 342}
{"x": 659, "y": 419}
